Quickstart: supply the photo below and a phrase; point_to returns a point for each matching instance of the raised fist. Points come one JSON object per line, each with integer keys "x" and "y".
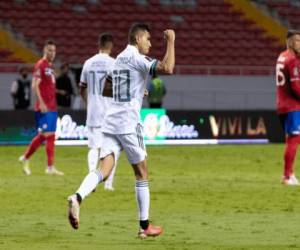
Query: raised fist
{"x": 169, "y": 35}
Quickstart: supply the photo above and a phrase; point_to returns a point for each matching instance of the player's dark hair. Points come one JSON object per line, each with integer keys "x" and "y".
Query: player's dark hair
{"x": 49, "y": 42}
{"x": 291, "y": 33}
{"x": 105, "y": 39}
{"x": 134, "y": 29}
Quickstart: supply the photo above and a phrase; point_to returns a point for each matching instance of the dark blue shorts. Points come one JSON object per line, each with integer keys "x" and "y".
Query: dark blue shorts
{"x": 46, "y": 122}
{"x": 291, "y": 122}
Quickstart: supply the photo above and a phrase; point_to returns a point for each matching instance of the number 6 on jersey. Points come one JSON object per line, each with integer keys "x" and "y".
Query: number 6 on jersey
{"x": 280, "y": 78}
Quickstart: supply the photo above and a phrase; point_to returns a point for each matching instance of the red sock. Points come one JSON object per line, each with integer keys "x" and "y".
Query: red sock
{"x": 50, "y": 149}
{"x": 291, "y": 145}
{"x": 33, "y": 146}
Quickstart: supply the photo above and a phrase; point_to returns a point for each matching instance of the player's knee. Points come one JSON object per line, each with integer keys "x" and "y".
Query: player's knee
{"x": 142, "y": 176}
{"x": 140, "y": 171}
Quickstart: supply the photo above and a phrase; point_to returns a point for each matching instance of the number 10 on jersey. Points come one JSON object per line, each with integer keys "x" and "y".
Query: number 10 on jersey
{"x": 121, "y": 85}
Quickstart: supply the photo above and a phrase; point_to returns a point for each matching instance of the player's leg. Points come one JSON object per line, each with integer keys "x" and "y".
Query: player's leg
{"x": 93, "y": 158}
{"x": 89, "y": 183}
{"x": 143, "y": 200}
{"x": 290, "y": 152}
{"x": 94, "y": 144}
{"x": 34, "y": 144}
{"x": 93, "y": 178}
{"x": 108, "y": 184}
{"x": 290, "y": 123}
{"x": 97, "y": 176}
{"x": 134, "y": 147}
{"x": 49, "y": 129}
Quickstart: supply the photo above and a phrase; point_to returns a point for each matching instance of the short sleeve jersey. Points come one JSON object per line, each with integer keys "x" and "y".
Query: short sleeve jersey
{"x": 287, "y": 74}
{"x": 45, "y": 72}
{"x": 129, "y": 79}
{"x": 93, "y": 76}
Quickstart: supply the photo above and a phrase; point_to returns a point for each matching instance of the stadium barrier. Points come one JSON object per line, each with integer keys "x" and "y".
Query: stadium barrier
{"x": 235, "y": 70}
{"x": 161, "y": 127}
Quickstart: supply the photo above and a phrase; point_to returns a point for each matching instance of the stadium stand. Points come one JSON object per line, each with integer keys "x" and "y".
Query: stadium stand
{"x": 288, "y": 10}
{"x": 7, "y": 56}
{"x": 208, "y": 32}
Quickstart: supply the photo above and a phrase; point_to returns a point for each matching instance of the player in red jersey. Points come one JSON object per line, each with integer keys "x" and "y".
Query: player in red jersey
{"x": 288, "y": 102}
{"x": 43, "y": 84}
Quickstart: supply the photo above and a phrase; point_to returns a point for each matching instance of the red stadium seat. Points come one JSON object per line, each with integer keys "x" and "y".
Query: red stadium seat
{"x": 207, "y": 34}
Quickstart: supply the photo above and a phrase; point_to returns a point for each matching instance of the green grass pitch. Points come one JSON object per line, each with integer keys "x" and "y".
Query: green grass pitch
{"x": 205, "y": 197}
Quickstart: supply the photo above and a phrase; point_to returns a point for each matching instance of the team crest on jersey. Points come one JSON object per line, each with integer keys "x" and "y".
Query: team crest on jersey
{"x": 49, "y": 72}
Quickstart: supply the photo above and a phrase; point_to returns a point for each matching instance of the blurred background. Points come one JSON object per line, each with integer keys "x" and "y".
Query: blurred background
{"x": 226, "y": 52}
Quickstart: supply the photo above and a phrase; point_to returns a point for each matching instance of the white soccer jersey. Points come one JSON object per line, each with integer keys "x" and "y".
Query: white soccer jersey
{"x": 93, "y": 77}
{"x": 129, "y": 76}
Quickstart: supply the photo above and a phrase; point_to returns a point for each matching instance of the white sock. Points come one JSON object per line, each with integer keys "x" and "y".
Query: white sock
{"x": 143, "y": 198}
{"x": 93, "y": 158}
{"x": 89, "y": 183}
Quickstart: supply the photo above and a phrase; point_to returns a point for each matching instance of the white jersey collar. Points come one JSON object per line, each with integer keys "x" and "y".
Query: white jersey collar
{"x": 102, "y": 54}
{"x": 132, "y": 47}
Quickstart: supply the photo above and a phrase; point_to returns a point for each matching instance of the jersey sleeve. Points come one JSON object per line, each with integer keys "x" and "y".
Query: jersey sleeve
{"x": 83, "y": 77}
{"x": 294, "y": 72}
{"x": 146, "y": 64}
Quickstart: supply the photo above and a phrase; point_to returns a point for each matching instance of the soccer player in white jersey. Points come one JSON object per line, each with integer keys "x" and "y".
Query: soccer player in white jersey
{"x": 122, "y": 128}
{"x": 92, "y": 81}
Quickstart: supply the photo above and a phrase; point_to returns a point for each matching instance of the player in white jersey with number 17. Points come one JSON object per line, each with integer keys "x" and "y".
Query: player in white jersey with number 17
{"x": 122, "y": 129}
{"x": 92, "y": 81}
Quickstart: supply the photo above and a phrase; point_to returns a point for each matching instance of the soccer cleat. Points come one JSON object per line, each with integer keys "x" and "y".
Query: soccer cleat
{"x": 294, "y": 178}
{"x": 53, "y": 171}
{"x": 25, "y": 162}
{"x": 151, "y": 231}
{"x": 73, "y": 211}
{"x": 292, "y": 181}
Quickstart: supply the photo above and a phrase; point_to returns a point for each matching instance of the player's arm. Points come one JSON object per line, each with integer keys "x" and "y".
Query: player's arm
{"x": 108, "y": 89}
{"x": 35, "y": 86}
{"x": 294, "y": 72}
{"x": 61, "y": 92}
{"x": 83, "y": 83}
{"x": 14, "y": 88}
{"x": 83, "y": 91}
{"x": 166, "y": 66}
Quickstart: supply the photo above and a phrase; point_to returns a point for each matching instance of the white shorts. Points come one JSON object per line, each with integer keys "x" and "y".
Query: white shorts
{"x": 133, "y": 145}
{"x": 95, "y": 137}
